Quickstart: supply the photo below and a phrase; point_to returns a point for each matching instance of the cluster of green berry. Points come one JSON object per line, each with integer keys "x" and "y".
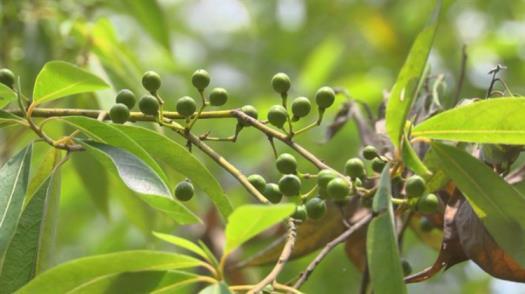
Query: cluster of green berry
{"x": 7, "y": 77}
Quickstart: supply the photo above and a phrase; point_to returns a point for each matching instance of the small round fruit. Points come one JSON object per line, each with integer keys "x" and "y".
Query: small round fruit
{"x": 272, "y": 193}
{"x": 370, "y": 152}
{"x": 184, "y": 191}
{"x": 127, "y": 98}
{"x": 428, "y": 203}
{"x": 338, "y": 189}
{"x": 7, "y": 77}
{"x": 258, "y": 182}
{"x": 151, "y": 81}
{"x": 277, "y": 115}
{"x": 200, "y": 79}
{"x": 186, "y": 106}
{"x": 290, "y": 185}
{"x": 286, "y": 163}
{"x": 323, "y": 194}
{"x": 407, "y": 268}
{"x": 315, "y": 208}
{"x": 218, "y": 96}
{"x": 325, "y": 97}
{"x": 357, "y": 182}
{"x": 324, "y": 177}
{"x": 149, "y": 105}
{"x": 251, "y": 112}
{"x": 425, "y": 225}
{"x": 301, "y": 107}
{"x": 415, "y": 186}
{"x": 119, "y": 113}
{"x": 281, "y": 83}
{"x": 355, "y": 168}
{"x": 378, "y": 164}
{"x": 300, "y": 213}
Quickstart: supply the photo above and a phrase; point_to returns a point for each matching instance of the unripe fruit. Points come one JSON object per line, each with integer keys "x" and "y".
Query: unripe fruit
{"x": 425, "y": 225}
{"x": 315, "y": 208}
{"x": 277, "y": 115}
{"x": 370, "y": 152}
{"x": 281, "y": 83}
{"x": 286, "y": 163}
{"x": 301, "y": 107}
{"x": 184, "y": 191}
{"x": 272, "y": 193}
{"x": 300, "y": 213}
{"x": 218, "y": 96}
{"x": 251, "y": 112}
{"x": 258, "y": 182}
{"x": 151, "y": 81}
{"x": 338, "y": 189}
{"x": 378, "y": 164}
{"x": 358, "y": 183}
{"x": 428, "y": 203}
{"x": 407, "y": 268}
{"x": 119, "y": 113}
{"x": 325, "y": 97}
{"x": 323, "y": 194}
{"x": 186, "y": 106}
{"x": 324, "y": 177}
{"x": 355, "y": 168}
{"x": 149, "y": 105}
{"x": 7, "y": 77}
{"x": 127, "y": 98}
{"x": 415, "y": 186}
{"x": 290, "y": 185}
{"x": 200, "y": 79}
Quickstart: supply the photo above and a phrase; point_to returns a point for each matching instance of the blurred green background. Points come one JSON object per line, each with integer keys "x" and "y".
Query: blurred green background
{"x": 357, "y": 45}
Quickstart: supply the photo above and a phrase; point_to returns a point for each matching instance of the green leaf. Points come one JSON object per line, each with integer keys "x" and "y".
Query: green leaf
{"x": 181, "y": 242}
{"x": 6, "y": 95}
{"x": 58, "y": 79}
{"x": 413, "y": 161}
{"x": 249, "y": 220}
{"x": 404, "y": 90}
{"x": 489, "y": 121}
{"x": 320, "y": 63}
{"x": 386, "y": 274}
{"x": 219, "y": 288}
{"x": 499, "y": 205}
{"x": 7, "y": 119}
{"x": 140, "y": 178}
{"x": 179, "y": 158}
{"x": 81, "y": 272}
{"x": 14, "y": 176}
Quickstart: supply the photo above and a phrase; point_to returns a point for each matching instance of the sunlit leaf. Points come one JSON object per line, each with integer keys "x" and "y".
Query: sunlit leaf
{"x": 320, "y": 63}
{"x": 413, "y": 161}
{"x": 219, "y": 288}
{"x": 6, "y": 95}
{"x": 181, "y": 242}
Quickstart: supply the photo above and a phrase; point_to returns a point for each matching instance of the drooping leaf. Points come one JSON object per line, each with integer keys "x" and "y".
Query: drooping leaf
{"x": 181, "y": 242}
{"x": 59, "y": 79}
{"x": 249, "y": 220}
{"x": 14, "y": 176}
{"x": 81, "y": 272}
{"x": 404, "y": 90}
{"x": 140, "y": 178}
{"x": 488, "y": 121}
{"x": 6, "y": 95}
{"x": 219, "y": 288}
{"x": 384, "y": 264}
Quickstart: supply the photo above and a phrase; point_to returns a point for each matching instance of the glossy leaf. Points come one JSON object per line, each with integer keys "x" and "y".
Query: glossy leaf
{"x": 404, "y": 90}
{"x": 6, "y": 95}
{"x": 14, "y": 176}
{"x": 384, "y": 264}
{"x": 499, "y": 205}
{"x": 58, "y": 79}
{"x": 489, "y": 121}
{"x": 181, "y": 242}
{"x": 249, "y": 220}
{"x": 84, "y": 271}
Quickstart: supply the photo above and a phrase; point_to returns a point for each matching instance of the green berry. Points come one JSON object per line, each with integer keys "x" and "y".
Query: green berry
{"x": 425, "y": 224}
{"x": 286, "y": 163}
{"x": 315, "y": 208}
{"x": 127, "y": 98}
{"x": 272, "y": 193}
{"x": 184, "y": 191}
{"x": 251, "y": 112}
{"x": 370, "y": 152}
{"x": 151, "y": 81}
{"x": 119, "y": 113}
{"x": 325, "y": 176}
{"x": 218, "y": 96}
{"x": 149, "y": 105}
{"x": 301, "y": 107}
{"x": 428, "y": 203}
{"x": 415, "y": 186}
{"x": 281, "y": 83}
{"x": 323, "y": 194}
{"x": 277, "y": 115}
{"x": 407, "y": 268}
{"x": 290, "y": 185}
{"x": 338, "y": 189}
{"x": 325, "y": 97}
{"x": 378, "y": 164}
{"x": 357, "y": 182}
{"x": 7, "y": 77}
{"x": 258, "y": 182}
{"x": 300, "y": 213}
{"x": 200, "y": 79}
{"x": 355, "y": 168}
{"x": 186, "y": 106}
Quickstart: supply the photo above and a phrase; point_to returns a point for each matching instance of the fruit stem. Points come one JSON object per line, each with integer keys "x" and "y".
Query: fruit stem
{"x": 201, "y": 109}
